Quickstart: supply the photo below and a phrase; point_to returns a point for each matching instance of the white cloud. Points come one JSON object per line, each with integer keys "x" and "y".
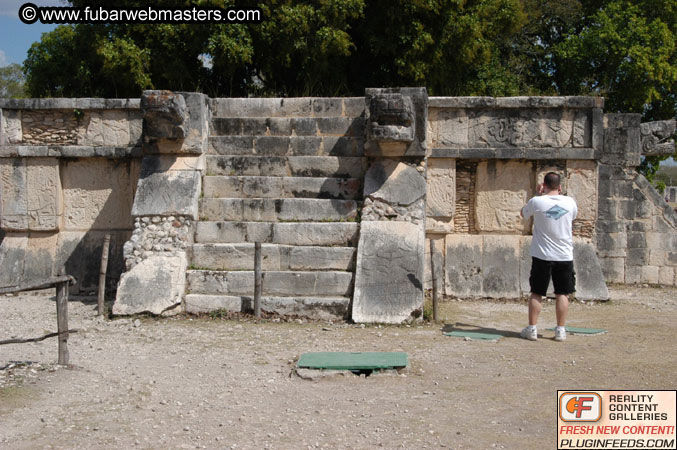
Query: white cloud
{"x": 11, "y": 7}
{"x": 3, "y": 59}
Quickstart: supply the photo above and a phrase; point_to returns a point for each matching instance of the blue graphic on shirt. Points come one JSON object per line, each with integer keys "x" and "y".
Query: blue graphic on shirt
{"x": 556, "y": 212}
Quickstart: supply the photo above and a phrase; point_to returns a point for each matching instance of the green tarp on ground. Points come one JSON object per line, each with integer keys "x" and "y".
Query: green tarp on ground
{"x": 353, "y": 360}
{"x": 576, "y": 330}
{"x": 474, "y": 335}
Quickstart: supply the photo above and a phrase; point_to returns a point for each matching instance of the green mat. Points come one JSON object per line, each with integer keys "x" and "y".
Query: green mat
{"x": 353, "y": 361}
{"x": 576, "y": 330}
{"x": 474, "y": 335}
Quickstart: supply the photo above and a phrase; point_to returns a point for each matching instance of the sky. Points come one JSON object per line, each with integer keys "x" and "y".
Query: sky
{"x": 15, "y": 36}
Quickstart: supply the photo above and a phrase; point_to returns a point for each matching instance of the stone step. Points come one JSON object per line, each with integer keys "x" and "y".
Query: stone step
{"x": 286, "y": 145}
{"x": 285, "y": 284}
{"x": 306, "y": 126}
{"x": 285, "y": 166}
{"x": 273, "y": 257}
{"x": 288, "y": 107}
{"x": 277, "y": 210}
{"x": 302, "y": 233}
{"x": 324, "y": 308}
{"x": 281, "y": 187}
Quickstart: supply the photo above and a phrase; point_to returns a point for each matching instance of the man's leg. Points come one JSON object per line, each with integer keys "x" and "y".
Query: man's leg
{"x": 535, "y": 307}
{"x": 561, "y": 309}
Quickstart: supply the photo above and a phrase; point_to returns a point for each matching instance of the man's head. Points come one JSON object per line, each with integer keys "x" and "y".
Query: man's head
{"x": 551, "y": 181}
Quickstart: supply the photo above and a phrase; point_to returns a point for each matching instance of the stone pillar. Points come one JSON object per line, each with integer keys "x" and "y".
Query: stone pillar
{"x": 391, "y": 250}
{"x": 175, "y": 135}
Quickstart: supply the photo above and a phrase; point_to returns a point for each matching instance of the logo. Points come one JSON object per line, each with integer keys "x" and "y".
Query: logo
{"x": 556, "y": 212}
{"x": 580, "y": 407}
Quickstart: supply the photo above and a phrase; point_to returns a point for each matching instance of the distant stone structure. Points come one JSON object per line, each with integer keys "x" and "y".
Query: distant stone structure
{"x": 344, "y": 193}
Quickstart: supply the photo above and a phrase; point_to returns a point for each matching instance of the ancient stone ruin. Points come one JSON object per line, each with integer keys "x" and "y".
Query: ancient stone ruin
{"x": 344, "y": 193}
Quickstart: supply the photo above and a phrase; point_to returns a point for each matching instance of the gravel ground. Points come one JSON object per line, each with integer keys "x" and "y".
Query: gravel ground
{"x": 212, "y": 383}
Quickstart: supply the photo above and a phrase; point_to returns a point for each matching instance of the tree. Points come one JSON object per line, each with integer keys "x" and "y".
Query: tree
{"x": 11, "y": 81}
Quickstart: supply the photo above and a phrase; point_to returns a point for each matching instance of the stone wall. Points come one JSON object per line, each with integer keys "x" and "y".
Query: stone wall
{"x": 490, "y": 154}
{"x": 68, "y": 175}
{"x": 637, "y": 229}
{"x": 458, "y": 169}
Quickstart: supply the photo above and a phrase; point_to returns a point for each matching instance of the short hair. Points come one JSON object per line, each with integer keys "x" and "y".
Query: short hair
{"x": 551, "y": 180}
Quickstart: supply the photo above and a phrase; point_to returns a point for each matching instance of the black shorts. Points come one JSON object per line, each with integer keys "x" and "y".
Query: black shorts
{"x": 562, "y": 272}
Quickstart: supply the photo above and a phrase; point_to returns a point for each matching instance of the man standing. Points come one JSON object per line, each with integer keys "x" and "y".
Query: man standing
{"x": 552, "y": 252}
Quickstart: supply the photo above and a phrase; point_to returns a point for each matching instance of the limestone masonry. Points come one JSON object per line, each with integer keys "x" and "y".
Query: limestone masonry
{"x": 345, "y": 194}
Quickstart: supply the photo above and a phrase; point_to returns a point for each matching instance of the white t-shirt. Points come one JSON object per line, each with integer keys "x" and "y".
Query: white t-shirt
{"x": 553, "y": 216}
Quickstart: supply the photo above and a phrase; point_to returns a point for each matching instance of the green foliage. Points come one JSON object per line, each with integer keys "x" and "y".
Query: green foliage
{"x": 660, "y": 186}
{"x": 11, "y": 81}
{"x": 624, "y": 50}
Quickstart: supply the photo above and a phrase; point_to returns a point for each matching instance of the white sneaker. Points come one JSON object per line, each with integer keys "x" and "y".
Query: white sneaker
{"x": 530, "y": 332}
{"x": 560, "y": 334}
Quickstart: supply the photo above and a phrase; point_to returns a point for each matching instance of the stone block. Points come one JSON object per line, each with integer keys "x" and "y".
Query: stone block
{"x": 108, "y": 127}
{"x": 394, "y": 182}
{"x": 10, "y": 123}
{"x": 649, "y": 274}
{"x": 79, "y": 252}
{"x": 525, "y": 264}
{"x": 353, "y": 106}
{"x": 164, "y": 163}
{"x": 666, "y": 276}
{"x": 316, "y": 233}
{"x": 464, "y": 265}
{"x": 397, "y": 121}
{"x": 582, "y": 129}
{"x": 613, "y": 269}
{"x": 622, "y": 139}
{"x": 322, "y": 258}
{"x": 637, "y": 256}
{"x": 174, "y": 193}
{"x": 320, "y": 308}
{"x": 98, "y": 193}
{"x": 389, "y": 275}
{"x": 202, "y": 303}
{"x": 636, "y": 240}
{"x": 632, "y": 274}
{"x": 442, "y": 225}
{"x": 441, "y": 187}
{"x": 13, "y": 248}
{"x": 232, "y": 232}
{"x": 502, "y": 189}
{"x": 581, "y": 185}
{"x": 164, "y": 116}
{"x": 590, "y": 283}
{"x": 500, "y": 266}
{"x": 327, "y": 107}
{"x": 40, "y": 256}
{"x": 13, "y": 194}
{"x": 448, "y": 128}
{"x": 607, "y": 209}
{"x": 305, "y": 283}
{"x": 44, "y": 201}
{"x": 521, "y": 128}
{"x": 154, "y": 285}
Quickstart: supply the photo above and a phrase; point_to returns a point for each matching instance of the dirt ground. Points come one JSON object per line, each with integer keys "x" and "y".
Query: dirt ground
{"x": 212, "y": 383}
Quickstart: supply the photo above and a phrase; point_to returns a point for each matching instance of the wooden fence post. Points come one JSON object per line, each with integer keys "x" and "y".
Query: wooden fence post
{"x": 434, "y": 278}
{"x": 102, "y": 274}
{"x": 257, "y": 279}
{"x": 62, "y": 320}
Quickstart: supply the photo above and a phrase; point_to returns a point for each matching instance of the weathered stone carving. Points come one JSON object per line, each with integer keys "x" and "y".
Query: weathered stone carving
{"x": 441, "y": 195}
{"x": 502, "y": 190}
{"x": 530, "y": 128}
{"x": 389, "y": 277}
{"x": 656, "y": 137}
{"x": 391, "y": 118}
{"x": 397, "y": 119}
{"x": 164, "y": 115}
